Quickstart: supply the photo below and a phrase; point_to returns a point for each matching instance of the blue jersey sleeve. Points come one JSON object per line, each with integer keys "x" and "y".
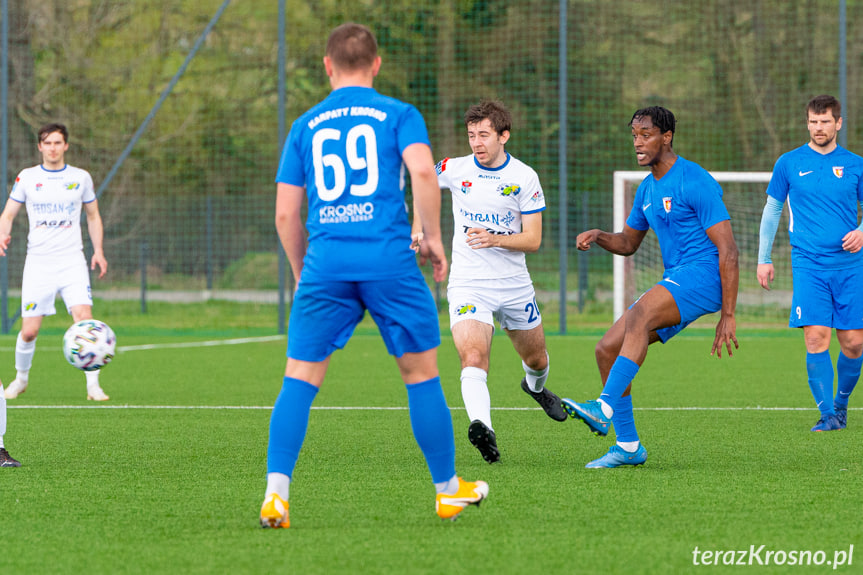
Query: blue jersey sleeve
{"x": 291, "y": 169}
{"x": 412, "y": 129}
{"x": 637, "y": 219}
{"x": 705, "y": 194}
{"x": 778, "y": 186}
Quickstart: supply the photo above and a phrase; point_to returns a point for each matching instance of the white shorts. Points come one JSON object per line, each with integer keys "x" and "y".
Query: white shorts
{"x": 46, "y": 276}
{"x": 510, "y": 301}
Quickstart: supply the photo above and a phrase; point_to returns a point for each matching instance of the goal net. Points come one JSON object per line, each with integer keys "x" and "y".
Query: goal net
{"x": 743, "y": 193}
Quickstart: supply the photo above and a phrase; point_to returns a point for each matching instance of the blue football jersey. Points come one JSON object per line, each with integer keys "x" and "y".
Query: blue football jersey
{"x": 679, "y": 207}
{"x": 347, "y": 152}
{"x": 823, "y": 191}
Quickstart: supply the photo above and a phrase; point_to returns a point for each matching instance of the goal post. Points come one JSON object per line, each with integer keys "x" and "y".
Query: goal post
{"x": 743, "y": 194}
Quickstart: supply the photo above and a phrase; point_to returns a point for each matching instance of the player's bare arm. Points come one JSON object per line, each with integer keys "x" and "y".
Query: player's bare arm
{"x": 96, "y": 232}
{"x": 289, "y": 225}
{"x": 528, "y": 240}
{"x": 729, "y": 274}
{"x": 853, "y": 241}
{"x": 6, "y": 219}
{"x": 420, "y": 163}
{"x": 623, "y": 243}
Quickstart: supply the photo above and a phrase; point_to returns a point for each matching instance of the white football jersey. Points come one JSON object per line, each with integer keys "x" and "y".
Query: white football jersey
{"x": 53, "y": 199}
{"x": 490, "y": 198}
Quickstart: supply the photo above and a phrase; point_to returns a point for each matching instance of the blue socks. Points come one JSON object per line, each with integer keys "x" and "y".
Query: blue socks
{"x": 432, "y": 426}
{"x": 621, "y": 375}
{"x": 820, "y": 371}
{"x": 848, "y": 372}
{"x": 288, "y": 425}
{"x": 623, "y": 421}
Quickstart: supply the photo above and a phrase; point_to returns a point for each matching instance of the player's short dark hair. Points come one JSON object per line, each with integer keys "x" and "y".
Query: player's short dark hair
{"x": 820, "y": 105}
{"x": 352, "y": 46}
{"x": 47, "y": 129}
{"x": 494, "y": 110}
{"x": 661, "y": 117}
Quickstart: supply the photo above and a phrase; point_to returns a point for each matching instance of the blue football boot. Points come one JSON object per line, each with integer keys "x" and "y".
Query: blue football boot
{"x": 589, "y": 412}
{"x": 841, "y": 415}
{"x": 828, "y": 423}
{"x": 617, "y": 457}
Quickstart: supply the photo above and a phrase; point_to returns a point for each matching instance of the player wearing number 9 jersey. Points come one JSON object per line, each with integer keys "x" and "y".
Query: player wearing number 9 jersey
{"x": 823, "y": 185}
{"x": 347, "y": 156}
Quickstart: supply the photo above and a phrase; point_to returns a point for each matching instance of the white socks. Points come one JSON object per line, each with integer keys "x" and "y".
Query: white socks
{"x": 24, "y": 351}
{"x": 92, "y": 379}
{"x": 448, "y": 487}
{"x": 2, "y": 415}
{"x": 536, "y": 379}
{"x": 474, "y": 392}
{"x": 278, "y": 483}
{"x": 629, "y": 446}
{"x": 607, "y": 411}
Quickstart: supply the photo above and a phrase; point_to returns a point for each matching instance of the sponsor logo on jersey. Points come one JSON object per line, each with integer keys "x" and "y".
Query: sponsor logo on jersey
{"x": 507, "y": 219}
{"x": 480, "y": 218}
{"x": 465, "y": 187}
{"x": 509, "y": 189}
{"x": 465, "y": 309}
{"x": 838, "y": 171}
{"x": 30, "y": 306}
{"x": 73, "y": 186}
{"x": 440, "y": 167}
{"x": 666, "y": 203}
{"x": 347, "y": 213}
{"x": 487, "y": 177}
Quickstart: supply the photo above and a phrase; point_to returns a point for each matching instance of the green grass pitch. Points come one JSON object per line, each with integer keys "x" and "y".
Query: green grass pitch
{"x": 168, "y": 476}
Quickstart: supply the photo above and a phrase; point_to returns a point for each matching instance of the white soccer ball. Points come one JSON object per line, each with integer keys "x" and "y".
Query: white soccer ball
{"x": 89, "y": 344}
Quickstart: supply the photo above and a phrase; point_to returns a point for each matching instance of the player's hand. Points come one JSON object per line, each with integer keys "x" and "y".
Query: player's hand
{"x": 765, "y": 275}
{"x": 433, "y": 250}
{"x": 584, "y": 239}
{"x": 99, "y": 260}
{"x": 853, "y": 241}
{"x": 478, "y": 238}
{"x": 416, "y": 242}
{"x": 725, "y": 335}
{"x": 4, "y": 244}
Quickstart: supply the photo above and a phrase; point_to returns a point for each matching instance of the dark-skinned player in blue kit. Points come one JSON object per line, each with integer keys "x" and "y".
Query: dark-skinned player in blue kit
{"x": 683, "y": 205}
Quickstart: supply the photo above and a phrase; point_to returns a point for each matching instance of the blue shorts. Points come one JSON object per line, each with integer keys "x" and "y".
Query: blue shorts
{"x": 697, "y": 291}
{"x": 832, "y": 298}
{"x": 324, "y": 315}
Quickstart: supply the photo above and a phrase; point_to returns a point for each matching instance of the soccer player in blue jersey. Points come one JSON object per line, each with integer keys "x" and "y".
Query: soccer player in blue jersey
{"x": 823, "y": 184}
{"x": 347, "y": 157}
{"x": 683, "y": 204}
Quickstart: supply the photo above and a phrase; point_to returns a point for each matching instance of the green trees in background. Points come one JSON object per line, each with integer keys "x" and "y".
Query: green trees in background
{"x": 737, "y": 75}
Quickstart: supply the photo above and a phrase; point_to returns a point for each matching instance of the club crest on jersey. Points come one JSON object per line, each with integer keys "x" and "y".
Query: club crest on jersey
{"x": 666, "y": 203}
{"x": 838, "y": 171}
{"x": 509, "y": 189}
{"x": 465, "y": 309}
{"x": 465, "y": 186}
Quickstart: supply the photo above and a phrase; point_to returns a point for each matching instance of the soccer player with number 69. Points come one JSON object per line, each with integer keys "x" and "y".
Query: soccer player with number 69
{"x": 347, "y": 156}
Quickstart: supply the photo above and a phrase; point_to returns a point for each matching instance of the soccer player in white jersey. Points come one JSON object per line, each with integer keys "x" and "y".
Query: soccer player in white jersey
{"x": 54, "y": 194}
{"x": 6, "y": 460}
{"x": 823, "y": 184}
{"x": 497, "y": 203}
